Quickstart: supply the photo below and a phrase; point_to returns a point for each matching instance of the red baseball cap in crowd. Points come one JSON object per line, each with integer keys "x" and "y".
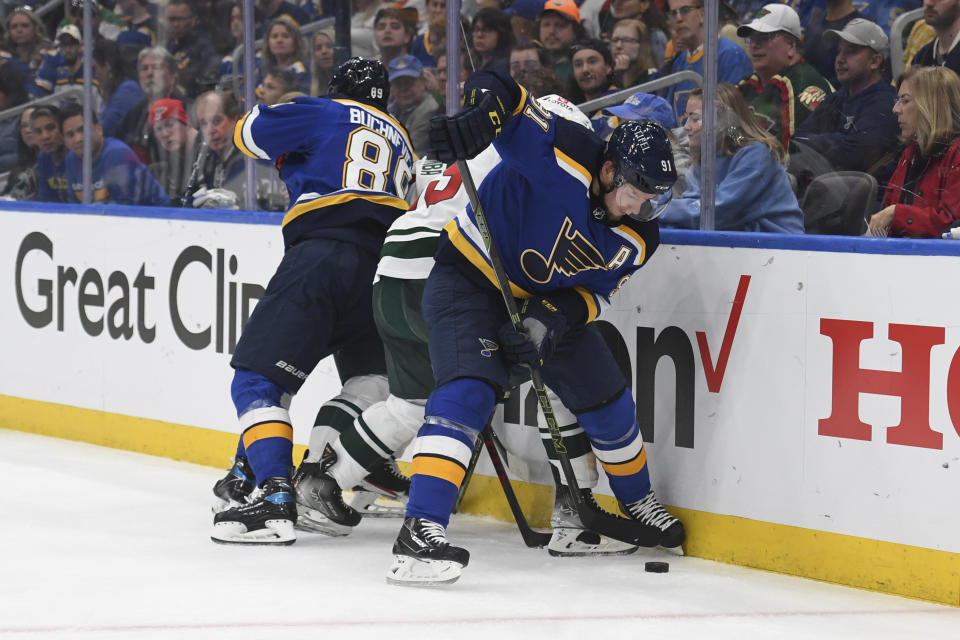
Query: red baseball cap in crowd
{"x": 168, "y": 108}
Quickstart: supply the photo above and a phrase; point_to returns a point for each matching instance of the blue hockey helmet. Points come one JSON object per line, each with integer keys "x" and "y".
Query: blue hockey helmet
{"x": 644, "y": 159}
{"x": 362, "y": 79}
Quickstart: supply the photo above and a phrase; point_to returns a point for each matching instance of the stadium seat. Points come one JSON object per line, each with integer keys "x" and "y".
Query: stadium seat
{"x": 839, "y": 203}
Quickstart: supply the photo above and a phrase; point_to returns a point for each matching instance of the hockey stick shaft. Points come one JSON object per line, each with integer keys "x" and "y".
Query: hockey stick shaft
{"x": 474, "y": 457}
{"x": 531, "y": 538}
{"x": 606, "y": 524}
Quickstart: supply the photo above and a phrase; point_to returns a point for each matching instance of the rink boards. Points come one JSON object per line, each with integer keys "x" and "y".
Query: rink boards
{"x": 800, "y": 396}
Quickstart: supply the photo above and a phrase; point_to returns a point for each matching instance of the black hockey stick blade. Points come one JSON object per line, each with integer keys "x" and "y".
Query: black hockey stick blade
{"x": 531, "y": 537}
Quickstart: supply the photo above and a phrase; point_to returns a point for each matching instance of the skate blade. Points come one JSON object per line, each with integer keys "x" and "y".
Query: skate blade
{"x": 411, "y": 572}
{"x": 674, "y": 551}
{"x": 275, "y": 532}
{"x": 315, "y": 522}
{"x": 565, "y": 543}
{"x": 372, "y": 505}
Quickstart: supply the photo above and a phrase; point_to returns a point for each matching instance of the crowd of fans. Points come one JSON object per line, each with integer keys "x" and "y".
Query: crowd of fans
{"x": 806, "y": 90}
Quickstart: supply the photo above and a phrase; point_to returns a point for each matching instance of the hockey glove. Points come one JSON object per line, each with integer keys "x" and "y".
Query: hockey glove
{"x": 543, "y": 328}
{"x": 468, "y": 132}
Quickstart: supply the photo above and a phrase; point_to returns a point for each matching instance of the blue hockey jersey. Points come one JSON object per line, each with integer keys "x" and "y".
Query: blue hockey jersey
{"x": 538, "y": 208}
{"x": 118, "y": 177}
{"x": 346, "y": 164}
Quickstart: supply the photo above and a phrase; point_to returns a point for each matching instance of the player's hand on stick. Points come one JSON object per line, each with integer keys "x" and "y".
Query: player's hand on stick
{"x": 468, "y": 132}
{"x": 543, "y": 326}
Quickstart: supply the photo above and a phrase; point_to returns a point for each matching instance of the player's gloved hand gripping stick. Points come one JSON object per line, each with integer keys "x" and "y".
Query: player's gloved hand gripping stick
{"x": 454, "y": 138}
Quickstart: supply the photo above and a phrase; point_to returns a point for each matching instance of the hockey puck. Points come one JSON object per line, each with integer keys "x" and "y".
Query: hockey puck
{"x": 656, "y": 567}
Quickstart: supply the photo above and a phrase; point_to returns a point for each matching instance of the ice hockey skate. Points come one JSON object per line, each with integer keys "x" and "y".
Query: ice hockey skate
{"x": 382, "y": 493}
{"x": 650, "y": 512}
{"x": 267, "y": 520}
{"x": 422, "y": 556}
{"x": 320, "y": 502}
{"x": 234, "y": 489}
{"x": 570, "y": 538}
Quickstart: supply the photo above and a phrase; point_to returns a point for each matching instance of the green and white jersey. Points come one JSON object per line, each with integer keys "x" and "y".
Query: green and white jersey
{"x": 412, "y": 239}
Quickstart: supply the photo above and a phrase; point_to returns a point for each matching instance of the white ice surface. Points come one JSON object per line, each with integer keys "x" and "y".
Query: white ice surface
{"x": 100, "y": 543}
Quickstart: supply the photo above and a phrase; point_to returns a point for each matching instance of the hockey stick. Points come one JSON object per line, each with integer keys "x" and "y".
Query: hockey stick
{"x": 629, "y": 531}
{"x": 532, "y": 538}
{"x": 477, "y": 448}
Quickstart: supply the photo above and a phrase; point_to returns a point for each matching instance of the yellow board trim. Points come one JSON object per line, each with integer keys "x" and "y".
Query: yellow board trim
{"x": 438, "y": 468}
{"x": 626, "y": 468}
{"x": 886, "y": 567}
{"x": 267, "y": 430}
{"x": 329, "y": 201}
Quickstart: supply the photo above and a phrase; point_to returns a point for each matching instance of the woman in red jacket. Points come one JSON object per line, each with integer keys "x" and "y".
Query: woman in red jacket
{"x": 923, "y": 196}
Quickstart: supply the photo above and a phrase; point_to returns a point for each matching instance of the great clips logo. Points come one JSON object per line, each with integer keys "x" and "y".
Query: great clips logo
{"x": 124, "y": 305}
{"x": 673, "y": 343}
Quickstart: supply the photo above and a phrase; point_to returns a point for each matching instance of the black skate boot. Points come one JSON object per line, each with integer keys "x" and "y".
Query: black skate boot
{"x": 423, "y": 557}
{"x": 650, "y": 512}
{"x": 267, "y": 519}
{"x": 320, "y": 500}
{"x": 234, "y": 489}
{"x": 384, "y": 481}
{"x": 570, "y": 537}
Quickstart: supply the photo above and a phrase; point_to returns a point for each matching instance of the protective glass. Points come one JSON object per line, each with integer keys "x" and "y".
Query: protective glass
{"x": 638, "y": 205}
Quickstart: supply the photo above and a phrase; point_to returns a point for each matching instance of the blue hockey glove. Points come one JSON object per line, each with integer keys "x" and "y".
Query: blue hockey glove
{"x": 468, "y": 132}
{"x": 543, "y": 328}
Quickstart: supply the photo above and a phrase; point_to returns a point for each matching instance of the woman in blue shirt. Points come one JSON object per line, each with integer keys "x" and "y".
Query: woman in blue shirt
{"x": 753, "y": 190}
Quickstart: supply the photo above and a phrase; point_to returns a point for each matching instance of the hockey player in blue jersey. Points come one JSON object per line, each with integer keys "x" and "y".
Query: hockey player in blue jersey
{"x": 347, "y": 165}
{"x": 572, "y": 219}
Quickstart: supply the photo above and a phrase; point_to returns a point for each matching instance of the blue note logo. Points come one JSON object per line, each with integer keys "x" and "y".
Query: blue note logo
{"x": 489, "y": 346}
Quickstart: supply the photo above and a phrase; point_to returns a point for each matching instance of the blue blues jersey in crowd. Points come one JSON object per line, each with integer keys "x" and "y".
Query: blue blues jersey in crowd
{"x": 538, "y": 207}
{"x": 52, "y": 185}
{"x": 346, "y": 164}
{"x": 118, "y": 177}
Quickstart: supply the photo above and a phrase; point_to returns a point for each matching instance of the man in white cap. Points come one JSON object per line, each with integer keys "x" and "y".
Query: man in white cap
{"x": 855, "y": 126}
{"x": 783, "y": 89}
{"x": 944, "y": 17}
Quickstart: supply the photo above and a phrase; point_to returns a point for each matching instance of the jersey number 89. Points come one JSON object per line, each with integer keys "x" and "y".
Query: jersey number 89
{"x": 368, "y": 163}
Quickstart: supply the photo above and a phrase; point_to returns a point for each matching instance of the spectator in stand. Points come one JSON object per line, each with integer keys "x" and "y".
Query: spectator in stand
{"x": 922, "y": 198}
{"x": 559, "y": 27}
{"x": 492, "y": 39}
{"x": 633, "y": 61}
{"x": 944, "y": 17}
{"x": 65, "y": 70}
{"x": 783, "y": 89}
{"x": 286, "y": 50}
{"x": 592, "y": 73}
{"x": 12, "y": 94}
{"x": 221, "y": 181}
{"x": 442, "y": 77}
{"x": 880, "y": 12}
{"x": 393, "y": 33}
{"x": 196, "y": 62}
{"x": 855, "y": 127}
{"x": 753, "y": 191}
{"x": 106, "y": 24}
{"x": 177, "y": 149}
{"x": 422, "y": 46}
{"x": 323, "y": 65}
{"x": 921, "y": 34}
{"x": 118, "y": 175}
{"x": 732, "y": 63}
{"x": 410, "y": 102}
{"x": 26, "y": 43}
{"x": 528, "y": 56}
{"x": 817, "y": 50}
{"x": 138, "y": 24}
{"x": 22, "y": 179}
{"x": 362, "y": 18}
{"x": 121, "y": 93}
{"x": 648, "y": 12}
{"x": 52, "y": 183}
{"x": 275, "y": 84}
{"x": 156, "y": 73}
{"x": 273, "y": 9}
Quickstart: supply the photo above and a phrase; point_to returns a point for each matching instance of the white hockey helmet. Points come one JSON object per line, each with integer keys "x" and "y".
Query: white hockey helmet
{"x": 560, "y": 106}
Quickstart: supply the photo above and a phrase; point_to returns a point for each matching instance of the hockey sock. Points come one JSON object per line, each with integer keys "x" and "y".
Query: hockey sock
{"x": 618, "y": 445}
{"x": 455, "y": 415}
{"x": 241, "y": 452}
{"x": 576, "y": 442}
{"x": 381, "y": 431}
{"x": 267, "y": 434}
{"x": 337, "y": 414}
